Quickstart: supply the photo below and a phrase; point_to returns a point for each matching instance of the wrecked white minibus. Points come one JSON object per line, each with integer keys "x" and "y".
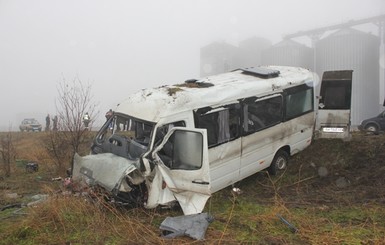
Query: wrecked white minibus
{"x": 184, "y": 142}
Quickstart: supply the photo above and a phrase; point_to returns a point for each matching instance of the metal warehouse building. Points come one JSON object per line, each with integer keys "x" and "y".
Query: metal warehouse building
{"x": 337, "y": 47}
{"x": 350, "y": 49}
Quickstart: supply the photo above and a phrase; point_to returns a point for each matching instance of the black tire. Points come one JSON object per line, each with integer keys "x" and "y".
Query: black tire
{"x": 279, "y": 163}
{"x": 372, "y": 128}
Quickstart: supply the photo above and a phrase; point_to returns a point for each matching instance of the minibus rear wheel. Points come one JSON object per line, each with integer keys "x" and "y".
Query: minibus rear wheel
{"x": 279, "y": 162}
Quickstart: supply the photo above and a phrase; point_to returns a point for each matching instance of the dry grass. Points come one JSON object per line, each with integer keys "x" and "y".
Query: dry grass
{"x": 74, "y": 220}
{"x": 322, "y": 213}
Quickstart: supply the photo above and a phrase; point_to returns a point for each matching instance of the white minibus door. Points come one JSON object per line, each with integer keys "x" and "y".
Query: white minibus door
{"x": 334, "y": 105}
{"x": 182, "y": 160}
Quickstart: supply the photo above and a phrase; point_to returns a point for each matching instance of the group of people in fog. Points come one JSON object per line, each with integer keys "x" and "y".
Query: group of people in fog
{"x": 86, "y": 121}
{"x": 48, "y": 123}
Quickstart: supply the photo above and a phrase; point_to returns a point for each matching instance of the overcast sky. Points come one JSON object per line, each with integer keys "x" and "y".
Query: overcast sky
{"x": 121, "y": 47}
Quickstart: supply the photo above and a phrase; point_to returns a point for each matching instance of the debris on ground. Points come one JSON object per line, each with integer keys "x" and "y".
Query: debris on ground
{"x": 37, "y": 199}
{"x": 194, "y": 226}
{"x": 11, "y": 195}
{"x": 292, "y": 228}
{"x": 32, "y": 167}
{"x": 14, "y": 205}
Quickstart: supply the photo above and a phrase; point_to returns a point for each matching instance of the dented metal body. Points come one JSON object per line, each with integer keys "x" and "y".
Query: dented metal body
{"x": 184, "y": 142}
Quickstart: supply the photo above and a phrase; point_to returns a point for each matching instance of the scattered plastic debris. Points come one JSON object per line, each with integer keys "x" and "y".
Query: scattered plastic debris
{"x": 38, "y": 199}
{"x": 32, "y": 167}
{"x": 236, "y": 191}
{"x": 194, "y": 226}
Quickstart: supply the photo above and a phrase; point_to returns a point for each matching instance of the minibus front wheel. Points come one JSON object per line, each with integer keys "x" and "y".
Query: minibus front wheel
{"x": 279, "y": 162}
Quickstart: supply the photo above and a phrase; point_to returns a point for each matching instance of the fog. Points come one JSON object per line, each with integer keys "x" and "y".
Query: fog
{"x": 120, "y": 47}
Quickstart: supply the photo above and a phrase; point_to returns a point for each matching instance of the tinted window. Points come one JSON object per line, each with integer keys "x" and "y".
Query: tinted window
{"x": 299, "y": 101}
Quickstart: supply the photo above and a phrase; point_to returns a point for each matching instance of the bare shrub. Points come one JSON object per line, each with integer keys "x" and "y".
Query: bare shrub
{"x": 74, "y": 101}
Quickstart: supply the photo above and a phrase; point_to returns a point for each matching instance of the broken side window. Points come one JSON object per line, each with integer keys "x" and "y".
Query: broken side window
{"x": 222, "y": 124}
{"x": 162, "y": 130}
{"x": 123, "y": 136}
{"x": 261, "y": 114}
{"x": 166, "y": 152}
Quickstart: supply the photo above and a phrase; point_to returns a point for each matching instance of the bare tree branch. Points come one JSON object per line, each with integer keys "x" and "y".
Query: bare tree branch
{"x": 74, "y": 101}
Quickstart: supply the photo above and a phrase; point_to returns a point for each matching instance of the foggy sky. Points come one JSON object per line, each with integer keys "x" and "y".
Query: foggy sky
{"x": 120, "y": 47}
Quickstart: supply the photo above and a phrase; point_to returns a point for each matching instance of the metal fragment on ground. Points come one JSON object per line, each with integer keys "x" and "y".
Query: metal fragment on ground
{"x": 194, "y": 226}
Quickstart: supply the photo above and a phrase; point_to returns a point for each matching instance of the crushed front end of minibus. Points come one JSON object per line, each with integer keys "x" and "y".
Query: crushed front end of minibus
{"x": 121, "y": 165}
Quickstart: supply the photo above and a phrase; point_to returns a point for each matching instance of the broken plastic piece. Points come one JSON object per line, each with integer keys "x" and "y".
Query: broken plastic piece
{"x": 194, "y": 226}
{"x": 32, "y": 167}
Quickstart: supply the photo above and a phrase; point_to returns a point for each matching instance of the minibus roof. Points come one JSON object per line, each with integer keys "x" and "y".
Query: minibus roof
{"x": 154, "y": 103}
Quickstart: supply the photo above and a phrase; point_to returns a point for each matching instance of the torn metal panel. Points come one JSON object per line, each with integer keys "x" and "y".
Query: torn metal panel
{"x": 106, "y": 170}
{"x": 194, "y": 226}
{"x": 157, "y": 193}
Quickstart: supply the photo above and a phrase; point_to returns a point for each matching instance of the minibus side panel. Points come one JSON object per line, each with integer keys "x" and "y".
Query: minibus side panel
{"x": 263, "y": 132}
{"x": 258, "y": 149}
{"x": 301, "y": 132}
{"x": 223, "y": 129}
{"x": 225, "y": 164}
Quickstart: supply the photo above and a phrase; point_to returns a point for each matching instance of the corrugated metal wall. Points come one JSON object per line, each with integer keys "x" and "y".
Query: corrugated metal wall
{"x": 350, "y": 49}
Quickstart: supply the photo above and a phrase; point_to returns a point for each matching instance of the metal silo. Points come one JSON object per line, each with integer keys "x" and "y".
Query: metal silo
{"x": 250, "y": 51}
{"x": 218, "y": 57}
{"x": 289, "y": 53}
{"x": 350, "y": 49}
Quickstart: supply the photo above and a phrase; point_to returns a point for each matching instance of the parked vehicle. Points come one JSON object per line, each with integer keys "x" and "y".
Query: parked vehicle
{"x": 30, "y": 124}
{"x": 374, "y": 124}
{"x": 184, "y": 142}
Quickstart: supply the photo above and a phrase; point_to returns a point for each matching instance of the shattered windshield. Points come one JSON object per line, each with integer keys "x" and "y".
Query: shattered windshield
{"x": 124, "y": 136}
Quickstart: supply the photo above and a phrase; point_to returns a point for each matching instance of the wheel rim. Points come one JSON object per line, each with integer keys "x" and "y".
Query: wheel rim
{"x": 281, "y": 163}
{"x": 371, "y": 128}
